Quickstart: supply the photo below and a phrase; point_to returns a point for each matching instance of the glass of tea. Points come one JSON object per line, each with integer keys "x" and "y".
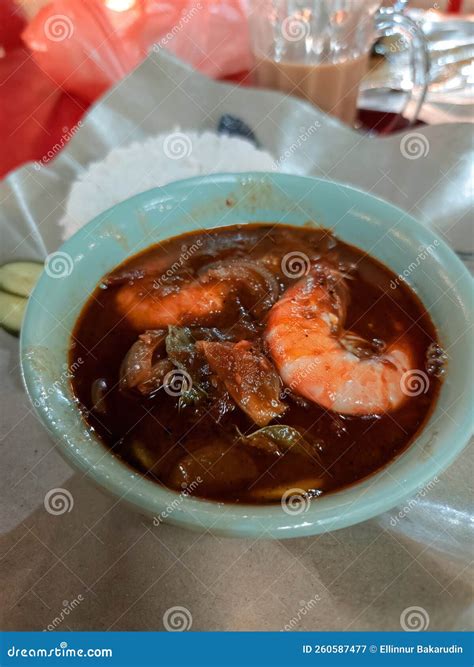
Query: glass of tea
{"x": 319, "y": 50}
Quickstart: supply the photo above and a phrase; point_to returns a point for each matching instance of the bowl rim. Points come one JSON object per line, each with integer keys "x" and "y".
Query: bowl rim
{"x": 224, "y": 518}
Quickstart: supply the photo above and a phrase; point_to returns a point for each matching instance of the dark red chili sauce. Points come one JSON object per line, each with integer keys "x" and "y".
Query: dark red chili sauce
{"x": 200, "y": 439}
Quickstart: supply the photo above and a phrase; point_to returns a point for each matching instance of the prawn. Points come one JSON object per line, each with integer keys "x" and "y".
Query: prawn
{"x": 199, "y": 300}
{"x": 148, "y": 309}
{"x": 315, "y": 356}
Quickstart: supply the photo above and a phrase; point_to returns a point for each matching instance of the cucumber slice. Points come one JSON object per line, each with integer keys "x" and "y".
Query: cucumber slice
{"x": 19, "y": 277}
{"x": 12, "y": 309}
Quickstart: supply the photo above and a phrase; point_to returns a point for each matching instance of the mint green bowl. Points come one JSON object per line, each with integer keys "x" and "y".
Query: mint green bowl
{"x": 395, "y": 238}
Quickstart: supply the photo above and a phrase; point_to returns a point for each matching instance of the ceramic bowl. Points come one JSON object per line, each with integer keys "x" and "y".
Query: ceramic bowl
{"x": 408, "y": 248}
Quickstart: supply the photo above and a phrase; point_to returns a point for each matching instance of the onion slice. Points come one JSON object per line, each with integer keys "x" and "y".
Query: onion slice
{"x": 138, "y": 370}
{"x": 248, "y": 376}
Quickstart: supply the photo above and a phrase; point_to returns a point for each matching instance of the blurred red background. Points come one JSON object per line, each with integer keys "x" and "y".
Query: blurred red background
{"x": 36, "y": 114}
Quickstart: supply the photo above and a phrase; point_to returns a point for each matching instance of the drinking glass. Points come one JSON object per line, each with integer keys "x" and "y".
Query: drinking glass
{"x": 319, "y": 50}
